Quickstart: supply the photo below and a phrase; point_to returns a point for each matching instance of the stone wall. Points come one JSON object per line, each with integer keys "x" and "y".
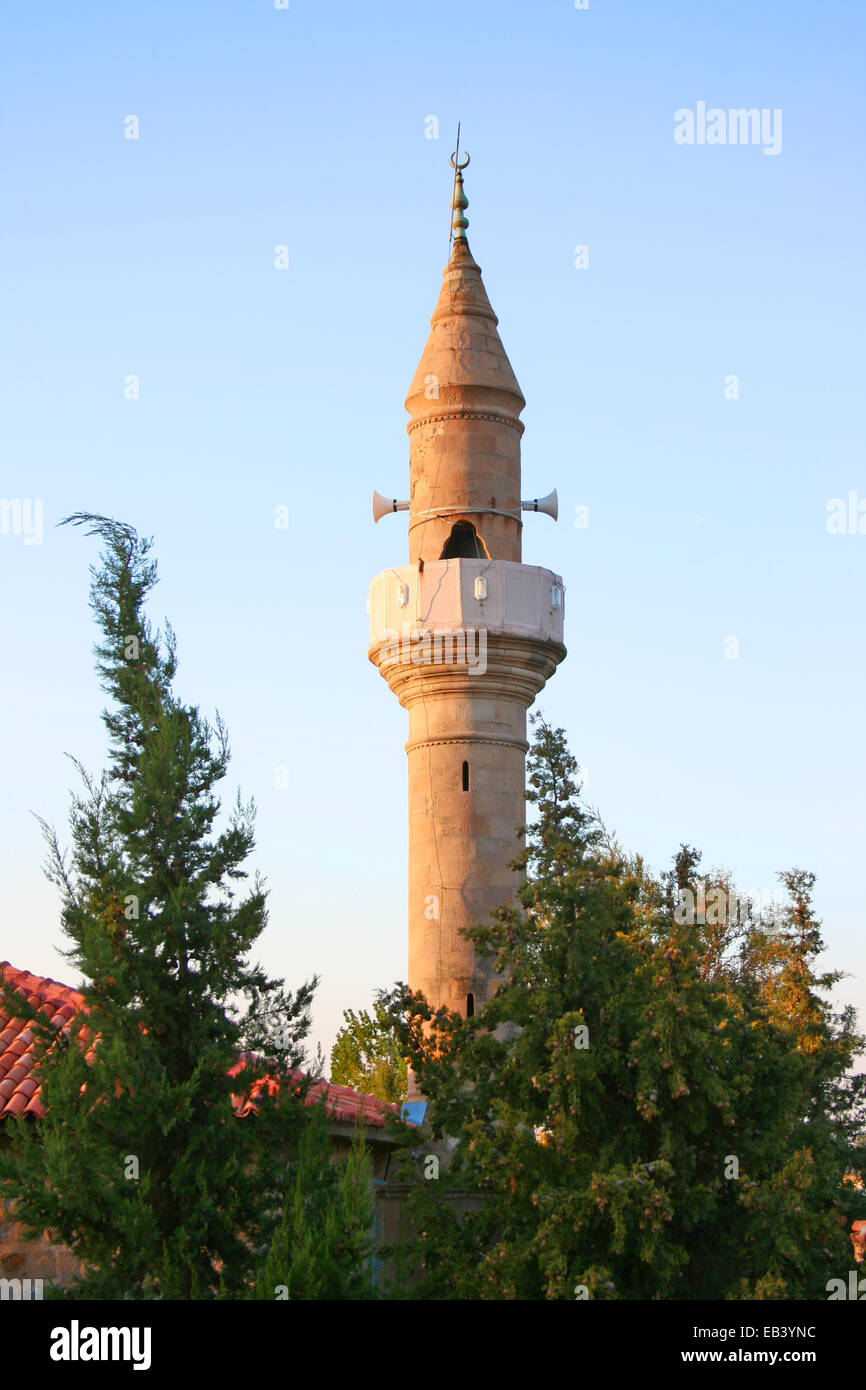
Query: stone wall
{"x": 21, "y": 1258}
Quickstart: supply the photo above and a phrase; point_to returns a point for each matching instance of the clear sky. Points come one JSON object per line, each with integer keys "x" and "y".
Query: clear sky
{"x": 261, "y": 387}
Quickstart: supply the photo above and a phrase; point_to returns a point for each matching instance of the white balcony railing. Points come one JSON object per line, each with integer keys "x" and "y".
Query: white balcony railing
{"x": 497, "y": 595}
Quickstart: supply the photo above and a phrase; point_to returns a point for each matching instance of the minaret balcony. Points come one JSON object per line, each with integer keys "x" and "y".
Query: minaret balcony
{"x": 495, "y": 596}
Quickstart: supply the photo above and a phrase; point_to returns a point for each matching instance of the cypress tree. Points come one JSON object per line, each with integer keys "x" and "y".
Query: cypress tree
{"x": 141, "y": 1165}
{"x": 322, "y": 1247}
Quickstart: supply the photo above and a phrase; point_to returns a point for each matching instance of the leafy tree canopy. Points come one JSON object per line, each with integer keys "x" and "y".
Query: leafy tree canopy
{"x": 367, "y": 1054}
{"x": 652, "y": 1105}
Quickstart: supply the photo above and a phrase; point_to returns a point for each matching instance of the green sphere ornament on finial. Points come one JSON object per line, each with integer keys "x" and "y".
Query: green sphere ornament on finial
{"x": 459, "y": 222}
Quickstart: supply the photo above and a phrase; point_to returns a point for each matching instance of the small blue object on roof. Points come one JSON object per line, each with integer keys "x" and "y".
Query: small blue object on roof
{"x": 413, "y": 1111}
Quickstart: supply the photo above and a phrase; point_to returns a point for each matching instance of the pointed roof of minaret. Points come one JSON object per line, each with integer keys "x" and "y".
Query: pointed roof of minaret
{"x": 464, "y": 365}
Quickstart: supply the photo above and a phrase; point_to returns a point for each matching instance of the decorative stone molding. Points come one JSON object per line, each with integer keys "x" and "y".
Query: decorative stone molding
{"x": 518, "y": 667}
{"x": 458, "y": 413}
{"x": 520, "y": 743}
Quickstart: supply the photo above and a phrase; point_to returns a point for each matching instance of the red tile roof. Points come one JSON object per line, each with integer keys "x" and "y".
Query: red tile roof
{"x": 19, "y": 1090}
{"x": 19, "y": 1086}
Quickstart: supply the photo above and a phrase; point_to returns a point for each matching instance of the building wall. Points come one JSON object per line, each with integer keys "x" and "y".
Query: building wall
{"x": 34, "y": 1259}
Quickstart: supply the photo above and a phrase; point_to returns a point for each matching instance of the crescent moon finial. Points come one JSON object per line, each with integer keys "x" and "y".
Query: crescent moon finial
{"x": 455, "y": 164}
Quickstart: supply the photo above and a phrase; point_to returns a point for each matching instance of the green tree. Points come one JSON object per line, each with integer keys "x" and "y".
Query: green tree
{"x": 322, "y": 1247}
{"x": 140, "y": 1165}
{"x": 647, "y": 1108}
{"x": 367, "y": 1055}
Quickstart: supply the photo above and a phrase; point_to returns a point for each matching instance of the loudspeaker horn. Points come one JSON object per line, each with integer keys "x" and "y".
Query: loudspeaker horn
{"x": 549, "y": 505}
{"x": 383, "y": 505}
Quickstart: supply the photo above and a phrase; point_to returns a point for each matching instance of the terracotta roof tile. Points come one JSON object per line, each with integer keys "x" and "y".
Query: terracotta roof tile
{"x": 19, "y": 1090}
{"x": 341, "y": 1102}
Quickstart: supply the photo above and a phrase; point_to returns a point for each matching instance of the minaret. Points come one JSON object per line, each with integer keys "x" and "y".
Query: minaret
{"x": 465, "y": 635}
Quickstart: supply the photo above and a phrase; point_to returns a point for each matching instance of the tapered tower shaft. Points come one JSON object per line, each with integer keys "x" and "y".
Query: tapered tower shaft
{"x": 465, "y": 635}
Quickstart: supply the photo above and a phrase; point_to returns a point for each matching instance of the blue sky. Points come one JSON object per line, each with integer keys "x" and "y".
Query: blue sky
{"x": 258, "y": 387}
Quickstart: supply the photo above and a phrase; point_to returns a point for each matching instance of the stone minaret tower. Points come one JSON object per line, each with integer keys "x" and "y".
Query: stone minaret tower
{"x": 465, "y": 634}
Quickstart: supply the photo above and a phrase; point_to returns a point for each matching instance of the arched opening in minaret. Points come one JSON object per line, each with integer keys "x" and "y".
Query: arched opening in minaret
{"x": 470, "y": 1006}
{"x": 464, "y": 543}
{"x": 466, "y": 777}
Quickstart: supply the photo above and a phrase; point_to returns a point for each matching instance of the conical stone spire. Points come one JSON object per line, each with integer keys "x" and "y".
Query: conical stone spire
{"x": 465, "y": 406}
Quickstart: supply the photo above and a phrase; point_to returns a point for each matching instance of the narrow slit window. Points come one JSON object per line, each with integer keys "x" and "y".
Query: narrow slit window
{"x": 470, "y": 1006}
{"x": 466, "y": 777}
